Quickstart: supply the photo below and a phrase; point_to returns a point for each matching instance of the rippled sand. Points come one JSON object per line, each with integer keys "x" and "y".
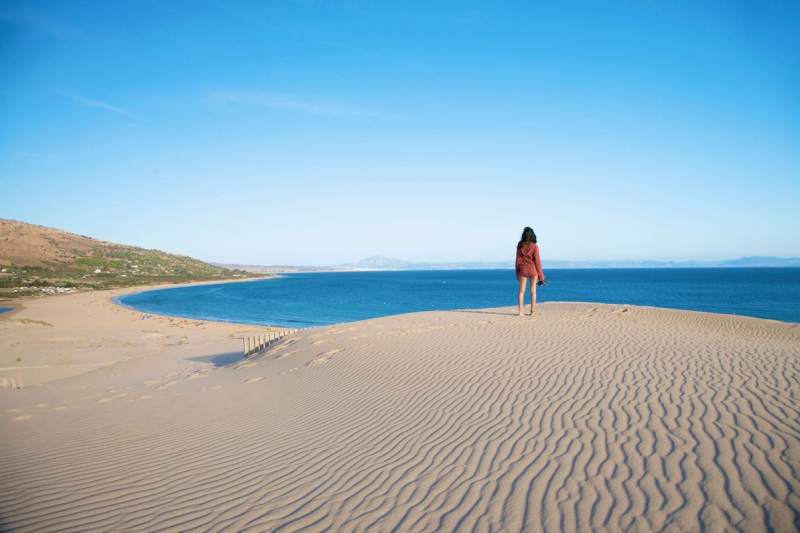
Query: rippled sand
{"x": 586, "y": 417}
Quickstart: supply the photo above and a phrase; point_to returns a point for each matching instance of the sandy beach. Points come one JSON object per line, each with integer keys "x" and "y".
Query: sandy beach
{"x": 586, "y": 417}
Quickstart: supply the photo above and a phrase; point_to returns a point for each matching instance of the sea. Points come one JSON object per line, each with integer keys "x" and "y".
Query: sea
{"x": 323, "y": 298}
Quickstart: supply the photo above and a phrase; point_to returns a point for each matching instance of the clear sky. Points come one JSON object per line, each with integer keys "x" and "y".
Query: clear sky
{"x": 322, "y": 132}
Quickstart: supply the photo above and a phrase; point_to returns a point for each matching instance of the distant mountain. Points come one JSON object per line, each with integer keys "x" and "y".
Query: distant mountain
{"x": 271, "y": 269}
{"x": 754, "y": 261}
{"x": 757, "y": 261}
{"x": 383, "y": 263}
{"x": 379, "y": 262}
{"x": 390, "y": 263}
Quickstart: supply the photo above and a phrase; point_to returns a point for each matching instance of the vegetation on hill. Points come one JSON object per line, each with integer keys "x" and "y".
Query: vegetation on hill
{"x": 34, "y": 257}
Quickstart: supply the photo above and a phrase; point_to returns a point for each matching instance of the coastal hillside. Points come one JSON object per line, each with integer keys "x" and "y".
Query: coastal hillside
{"x": 33, "y": 255}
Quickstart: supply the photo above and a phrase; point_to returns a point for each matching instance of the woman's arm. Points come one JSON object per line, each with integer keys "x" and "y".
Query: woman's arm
{"x": 538, "y": 263}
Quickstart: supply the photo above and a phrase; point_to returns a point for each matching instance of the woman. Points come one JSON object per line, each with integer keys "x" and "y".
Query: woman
{"x": 528, "y": 266}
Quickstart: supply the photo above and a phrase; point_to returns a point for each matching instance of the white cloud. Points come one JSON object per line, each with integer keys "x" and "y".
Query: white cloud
{"x": 287, "y": 102}
{"x": 95, "y": 103}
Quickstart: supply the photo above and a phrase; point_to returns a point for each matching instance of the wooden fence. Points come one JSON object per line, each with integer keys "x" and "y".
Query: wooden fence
{"x": 253, "y": 345}
{"x": 16, "y": 382}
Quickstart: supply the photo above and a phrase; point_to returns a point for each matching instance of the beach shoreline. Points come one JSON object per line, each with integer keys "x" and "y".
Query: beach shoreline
{"x": 48, "y": 338}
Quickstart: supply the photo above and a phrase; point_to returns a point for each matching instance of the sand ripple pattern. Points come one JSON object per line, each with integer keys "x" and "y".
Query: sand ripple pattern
{"x": 585, "y": 418}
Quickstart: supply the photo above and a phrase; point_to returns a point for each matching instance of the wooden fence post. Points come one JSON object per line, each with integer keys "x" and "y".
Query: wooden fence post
{"x": 252, "y": 345}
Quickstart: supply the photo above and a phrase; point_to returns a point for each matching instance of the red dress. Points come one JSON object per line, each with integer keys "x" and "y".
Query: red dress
{"x": 528, "y": 262}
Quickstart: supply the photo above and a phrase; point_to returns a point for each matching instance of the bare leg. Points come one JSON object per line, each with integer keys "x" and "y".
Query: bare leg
{"x": 534, "y": 281}
{"x": 521, "y": 296}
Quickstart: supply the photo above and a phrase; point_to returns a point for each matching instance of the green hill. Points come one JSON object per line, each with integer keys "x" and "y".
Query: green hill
{"x": 35, "y": 256}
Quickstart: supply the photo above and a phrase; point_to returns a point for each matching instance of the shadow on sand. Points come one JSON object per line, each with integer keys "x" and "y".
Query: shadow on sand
{"x": 221, "y": 359}
{"x": 500, "y": 312}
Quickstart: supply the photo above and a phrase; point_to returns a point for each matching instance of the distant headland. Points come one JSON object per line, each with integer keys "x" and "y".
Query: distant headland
{"x": 378, "y": 262}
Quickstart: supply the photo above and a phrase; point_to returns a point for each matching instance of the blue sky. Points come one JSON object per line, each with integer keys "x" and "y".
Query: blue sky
{"x": 323, "y": 132}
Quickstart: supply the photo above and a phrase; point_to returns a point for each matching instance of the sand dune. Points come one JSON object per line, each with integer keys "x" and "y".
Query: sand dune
{"x": 586, "y": 417}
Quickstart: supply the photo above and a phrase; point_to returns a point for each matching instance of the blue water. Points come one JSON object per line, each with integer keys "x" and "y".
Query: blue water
{"x": 304, "y": 300}
{"x": 6, "y": 309}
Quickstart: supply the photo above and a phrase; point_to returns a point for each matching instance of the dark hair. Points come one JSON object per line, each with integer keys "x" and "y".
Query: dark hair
{"x": 527, "y": 236}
